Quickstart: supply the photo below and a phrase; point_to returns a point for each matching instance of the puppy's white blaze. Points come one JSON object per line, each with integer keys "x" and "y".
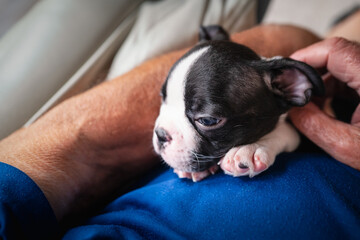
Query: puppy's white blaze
{"x": 173, "y": 119}
{"x": 177, "y": 79}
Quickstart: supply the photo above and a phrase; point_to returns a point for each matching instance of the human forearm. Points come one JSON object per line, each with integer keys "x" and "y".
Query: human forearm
{"x": 94, "y": 143}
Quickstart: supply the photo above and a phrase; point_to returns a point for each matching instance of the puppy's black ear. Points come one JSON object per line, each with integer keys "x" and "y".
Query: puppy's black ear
{"x": 212, "y": 32}
{"x": 292, "y": 81}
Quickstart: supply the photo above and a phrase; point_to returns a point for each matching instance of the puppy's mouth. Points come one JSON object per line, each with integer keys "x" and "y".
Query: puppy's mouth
{"x": 181, "y": 153}
{"x": 193, "y": 162}
{"x": 199, "y": 167}
{"x": 200, "y": 162}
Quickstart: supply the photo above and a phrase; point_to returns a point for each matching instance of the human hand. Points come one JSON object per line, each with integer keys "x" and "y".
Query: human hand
{"x": 341, "y": 58}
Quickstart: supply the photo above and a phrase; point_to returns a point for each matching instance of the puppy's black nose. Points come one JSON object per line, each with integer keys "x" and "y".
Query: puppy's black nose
{"x": 162, "y": 135}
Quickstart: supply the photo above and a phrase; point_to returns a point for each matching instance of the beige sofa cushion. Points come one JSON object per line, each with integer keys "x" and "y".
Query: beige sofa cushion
{"x": 46, "y": 47}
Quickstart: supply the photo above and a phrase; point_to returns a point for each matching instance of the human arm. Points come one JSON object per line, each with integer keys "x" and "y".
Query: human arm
{"x": 91, "y": 145}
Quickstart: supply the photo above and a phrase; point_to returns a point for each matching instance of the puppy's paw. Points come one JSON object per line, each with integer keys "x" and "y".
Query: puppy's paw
{"x": 197, "y": 176}
{"x": 248, "y": 160}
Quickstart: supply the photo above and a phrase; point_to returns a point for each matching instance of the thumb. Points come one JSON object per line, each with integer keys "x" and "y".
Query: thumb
{"x": 335, "y": 137}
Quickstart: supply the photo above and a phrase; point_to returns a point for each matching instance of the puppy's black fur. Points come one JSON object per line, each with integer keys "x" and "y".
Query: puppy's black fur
{"x": 230, "y": 81}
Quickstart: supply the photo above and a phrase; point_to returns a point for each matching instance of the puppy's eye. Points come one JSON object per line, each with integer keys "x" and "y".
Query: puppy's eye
{"x": 208, "y": 121}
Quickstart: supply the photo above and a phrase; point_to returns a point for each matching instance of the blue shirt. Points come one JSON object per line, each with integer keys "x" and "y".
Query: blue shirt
{"x": 301, "y": 196}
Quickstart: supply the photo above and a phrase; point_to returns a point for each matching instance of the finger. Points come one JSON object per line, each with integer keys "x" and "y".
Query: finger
{"x": 339, "y": 56}
{"x": 315, "y": 55}
{"x": 335, "y": 87}
{"x": 355, "y": 119}
{"x": 335, "y": 137}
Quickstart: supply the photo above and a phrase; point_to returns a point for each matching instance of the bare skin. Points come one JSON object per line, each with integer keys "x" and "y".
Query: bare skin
{"x": 341, "y": 58}
{"x": 91, "y": 145}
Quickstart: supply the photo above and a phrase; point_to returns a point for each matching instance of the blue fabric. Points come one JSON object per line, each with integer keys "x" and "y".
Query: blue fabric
{"x": 301, "y": 197}
{"x": 24, "y": 211}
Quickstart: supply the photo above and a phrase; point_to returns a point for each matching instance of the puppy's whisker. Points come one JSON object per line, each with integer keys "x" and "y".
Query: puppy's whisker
{"x": 204, "y": 160}
{"x": 211, "y": 157}
{"x": 205, "y": 156}
{"x": 195, "y": 156}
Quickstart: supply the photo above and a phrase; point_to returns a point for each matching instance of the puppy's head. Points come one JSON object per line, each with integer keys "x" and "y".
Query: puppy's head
{"x": 220, "y": 95}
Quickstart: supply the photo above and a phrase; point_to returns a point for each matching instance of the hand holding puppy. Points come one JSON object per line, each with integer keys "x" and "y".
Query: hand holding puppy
{"x": 341, "y": 58}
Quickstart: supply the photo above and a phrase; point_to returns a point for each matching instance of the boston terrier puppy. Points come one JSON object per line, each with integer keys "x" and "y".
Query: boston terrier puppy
{"x": 223, "y": 105}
